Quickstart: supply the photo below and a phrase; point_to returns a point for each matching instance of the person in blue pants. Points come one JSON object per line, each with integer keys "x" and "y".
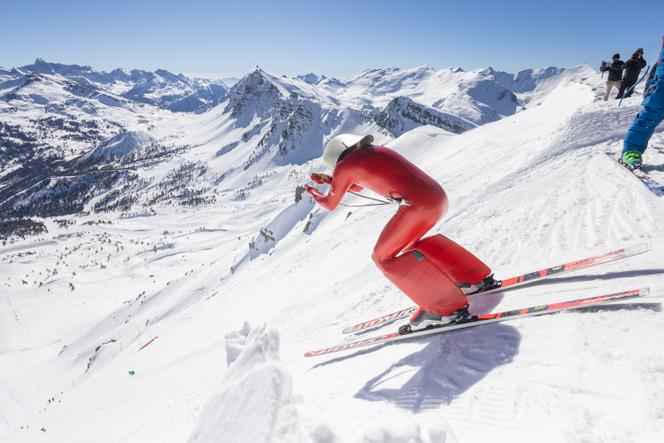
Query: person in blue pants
{"x": 652, "y": 114}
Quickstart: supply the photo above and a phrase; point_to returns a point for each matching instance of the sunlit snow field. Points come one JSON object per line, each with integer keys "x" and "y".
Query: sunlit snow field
{"x": 190, "y": 324}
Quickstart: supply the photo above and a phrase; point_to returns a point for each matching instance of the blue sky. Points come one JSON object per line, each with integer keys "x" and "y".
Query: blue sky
{"x": 338, "y": 38}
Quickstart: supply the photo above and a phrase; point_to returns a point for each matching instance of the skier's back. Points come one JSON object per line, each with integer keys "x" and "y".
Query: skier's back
{"x": 385, "y": 172}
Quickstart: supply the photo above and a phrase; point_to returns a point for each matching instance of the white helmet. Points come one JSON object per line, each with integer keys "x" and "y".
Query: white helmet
{"x": 339, "y": 143}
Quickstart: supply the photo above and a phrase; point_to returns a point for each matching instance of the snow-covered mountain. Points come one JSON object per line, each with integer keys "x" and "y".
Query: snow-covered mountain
{"x": 532, "y": 86}
{"x": 403, "y": 114}
{"x": 47, "y": 122}
{"x": 172, "y": 323}
{"x": 102, "y": 141}
{"x": 161, "y": 88}
{"x": 470, "y": 95}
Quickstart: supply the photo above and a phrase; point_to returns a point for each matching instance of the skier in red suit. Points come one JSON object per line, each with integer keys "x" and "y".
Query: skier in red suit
{"x": 433, "y": 271}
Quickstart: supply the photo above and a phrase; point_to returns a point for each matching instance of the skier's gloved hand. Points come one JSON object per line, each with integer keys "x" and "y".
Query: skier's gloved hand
{"x": 321, "y": 179}
{"x": 313, "y": 192}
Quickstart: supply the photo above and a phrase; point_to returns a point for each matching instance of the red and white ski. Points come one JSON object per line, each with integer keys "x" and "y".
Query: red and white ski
{"x": 512, "y": 282}
{"x": 482, "y": 319}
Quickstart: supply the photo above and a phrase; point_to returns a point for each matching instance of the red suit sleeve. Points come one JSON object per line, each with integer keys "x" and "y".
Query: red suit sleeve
{"x": 342, "y": 181}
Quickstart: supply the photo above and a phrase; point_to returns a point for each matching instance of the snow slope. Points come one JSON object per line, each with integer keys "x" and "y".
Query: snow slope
{"x": 190, "y": 324}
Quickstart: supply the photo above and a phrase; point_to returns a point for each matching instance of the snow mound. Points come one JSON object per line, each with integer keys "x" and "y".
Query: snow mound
{"x": 121, "y": 145}
{"x": 254, "y": 402}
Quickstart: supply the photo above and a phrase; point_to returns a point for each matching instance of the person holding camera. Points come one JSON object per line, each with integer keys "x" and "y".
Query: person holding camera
{"x": 615, "y": 69}
{"x": 632, "y": 70}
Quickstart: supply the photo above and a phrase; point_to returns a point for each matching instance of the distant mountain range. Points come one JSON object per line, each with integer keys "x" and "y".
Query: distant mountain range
{"x": 161, "y": 88}
{"x": 74, "y": 139}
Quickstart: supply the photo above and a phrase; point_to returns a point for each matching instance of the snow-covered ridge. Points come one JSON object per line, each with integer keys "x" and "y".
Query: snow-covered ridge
{"x": 470, "y": 95}
{"x": 532, "y": 86}
{"x": 161, "y": 88}
{"x": 403, "y": 114}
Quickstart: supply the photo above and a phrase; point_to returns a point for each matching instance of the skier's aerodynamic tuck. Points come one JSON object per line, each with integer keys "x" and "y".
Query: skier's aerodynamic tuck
{"x": 436, "y": 273}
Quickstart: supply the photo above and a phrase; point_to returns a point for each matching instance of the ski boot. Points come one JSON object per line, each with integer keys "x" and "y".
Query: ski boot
{"x": 485, "y": 285}
{"x": 632, "y": 159}
{"x": 421, "y": 320}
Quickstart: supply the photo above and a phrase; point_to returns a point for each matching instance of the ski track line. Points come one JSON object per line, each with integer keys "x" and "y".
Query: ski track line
{"x": 620, "y": 361}
{"x": 601, "y": 183}
{"x": 630, "y": 206}
{"x": 22, "y": 334}
{"x": 490, "y": 410}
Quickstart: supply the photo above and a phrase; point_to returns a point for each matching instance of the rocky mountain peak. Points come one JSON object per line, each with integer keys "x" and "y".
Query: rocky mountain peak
{"x": 255, "y": 94}
{"x": 403, "y": 114}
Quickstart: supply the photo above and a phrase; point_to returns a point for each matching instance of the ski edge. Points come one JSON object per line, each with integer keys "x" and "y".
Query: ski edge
{"x": 619, "y": 254}
{"x": 532, "y": 311}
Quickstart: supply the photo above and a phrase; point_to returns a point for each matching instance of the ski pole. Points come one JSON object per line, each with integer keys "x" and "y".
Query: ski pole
{"x": 631, "y": 88}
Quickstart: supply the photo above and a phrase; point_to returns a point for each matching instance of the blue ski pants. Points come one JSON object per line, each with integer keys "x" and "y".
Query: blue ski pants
{"x": 651, "y": 115}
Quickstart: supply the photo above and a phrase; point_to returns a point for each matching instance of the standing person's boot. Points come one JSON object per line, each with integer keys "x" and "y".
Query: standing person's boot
{"x": 632, "y": 159}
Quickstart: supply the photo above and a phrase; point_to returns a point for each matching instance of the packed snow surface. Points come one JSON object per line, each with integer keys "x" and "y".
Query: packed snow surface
{"x": 190, "y": 324}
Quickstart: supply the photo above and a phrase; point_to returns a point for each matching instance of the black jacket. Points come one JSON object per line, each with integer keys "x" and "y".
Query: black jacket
{"x": 615, "y": 70}
{"x": 633, "y": 69}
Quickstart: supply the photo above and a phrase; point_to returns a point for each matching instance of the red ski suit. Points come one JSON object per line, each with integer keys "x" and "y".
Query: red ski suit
{"x": 426, "y": 269}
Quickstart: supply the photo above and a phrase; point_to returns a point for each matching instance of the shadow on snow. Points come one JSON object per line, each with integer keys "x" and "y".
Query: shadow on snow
{"x": 445, "y": 368}
{"x": 451, "y": 363}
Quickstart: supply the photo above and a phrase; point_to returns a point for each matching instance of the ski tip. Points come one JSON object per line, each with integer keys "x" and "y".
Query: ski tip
{"x": 637, "y": 249}
{"x": 644, "y": 292}
{"x": 347, "y": 330}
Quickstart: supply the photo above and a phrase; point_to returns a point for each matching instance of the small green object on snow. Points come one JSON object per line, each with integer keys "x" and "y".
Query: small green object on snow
{"x": 132, "y": 373}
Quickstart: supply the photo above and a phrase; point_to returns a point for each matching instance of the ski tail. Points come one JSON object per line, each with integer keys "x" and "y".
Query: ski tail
{"x": 380, "y": 321}
{"x": 477, "y": 320}
{"x": 513, "y": 282}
